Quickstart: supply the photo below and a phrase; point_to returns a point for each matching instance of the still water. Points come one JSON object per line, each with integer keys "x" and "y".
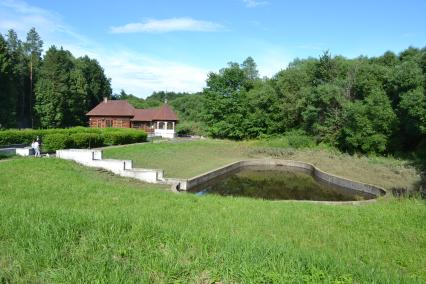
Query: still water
{"x": 276, "y": 183}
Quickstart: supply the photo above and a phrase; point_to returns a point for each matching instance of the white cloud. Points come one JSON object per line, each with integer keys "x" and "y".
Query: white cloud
{"x": 141, "y": 75}
{"x": 135, "y": 72}
{"x": 272, "y": 60}
{"x": 168, "y": 25}
{"x": 255, "y": 3}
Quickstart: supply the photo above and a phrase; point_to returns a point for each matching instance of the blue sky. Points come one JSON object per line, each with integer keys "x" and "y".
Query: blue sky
{"x": 147, "y": 46}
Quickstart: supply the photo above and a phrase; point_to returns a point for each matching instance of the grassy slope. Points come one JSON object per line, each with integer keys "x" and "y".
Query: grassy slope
{"x": 187, "y": 159}
{"x": 183, "y": 159}
{"x": 61, "y": 222}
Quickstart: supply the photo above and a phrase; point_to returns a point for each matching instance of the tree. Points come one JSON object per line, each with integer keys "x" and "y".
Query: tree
{"x": 7, "y": 88}
{"x": 368, "y": 124}
{"x": 33, "y": 48}
{"x": 53, "y": 89}
{"x": 98, "y": 85}
{"x": 250, "y": 68}
{"x": 21, "y": 77}
{"x": 225, "y": 104}
{"x": 325, "y": 69}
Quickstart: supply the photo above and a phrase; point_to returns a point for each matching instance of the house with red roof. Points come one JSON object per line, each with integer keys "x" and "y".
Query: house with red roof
{"x": 159, "y": 121}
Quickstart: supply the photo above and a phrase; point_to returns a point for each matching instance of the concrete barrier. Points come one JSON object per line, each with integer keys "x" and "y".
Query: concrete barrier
{"x": 93, "y": 158}
{"x": 306, "y": 167}
{"x": 26, "y": 151}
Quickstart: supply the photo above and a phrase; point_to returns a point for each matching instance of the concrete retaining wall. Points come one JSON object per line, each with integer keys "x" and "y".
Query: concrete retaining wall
{"x": 314, "y": 171}
{"x": 93, "y": 158}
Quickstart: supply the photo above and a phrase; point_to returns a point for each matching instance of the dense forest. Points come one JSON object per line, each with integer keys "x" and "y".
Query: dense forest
{"x": 358, "y": 105}
{"x": 54, "y": 90}
{"x": 367, "y": 105}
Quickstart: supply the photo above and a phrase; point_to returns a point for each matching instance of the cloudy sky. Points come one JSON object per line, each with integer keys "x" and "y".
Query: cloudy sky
{"x": 147, "y": 46}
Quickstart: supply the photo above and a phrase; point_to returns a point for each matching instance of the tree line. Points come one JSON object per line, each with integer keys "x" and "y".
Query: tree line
{"x": 54, "y": 90}
{"x": 369, "y": 105}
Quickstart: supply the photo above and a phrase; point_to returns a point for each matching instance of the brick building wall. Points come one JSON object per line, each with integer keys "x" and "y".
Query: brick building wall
{"x": 103, "y": 122}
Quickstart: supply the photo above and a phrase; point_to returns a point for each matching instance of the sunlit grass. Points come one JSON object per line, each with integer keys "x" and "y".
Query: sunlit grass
{"x": 63, "y": 223}
{"x": 188, "y": 159}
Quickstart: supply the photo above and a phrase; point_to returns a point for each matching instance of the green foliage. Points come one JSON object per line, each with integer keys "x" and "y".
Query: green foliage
{"x": 123, "y": 136}
{"x": 76, "y": 137}
{"x": 189, "y": 128}
{"x": 359, "y": 105}
{"x": 7, "y": 87}
{"x": 299, "y": 139}
{"x": 368, "y": 124}
{"x": 56, "y": 141}
{"x": 87, "y": 140}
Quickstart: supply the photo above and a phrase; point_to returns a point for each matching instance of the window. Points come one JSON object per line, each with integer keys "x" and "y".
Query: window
{"x": 99, "y": 123}
{"x": 170, "y": 125}
{"x": 161, "y": 125}
{"x": 108, "y": 123}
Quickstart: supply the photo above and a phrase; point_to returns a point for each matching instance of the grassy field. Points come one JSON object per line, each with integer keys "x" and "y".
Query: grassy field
{"x": 187, "y": 159}
{"x": 63, "y": 223}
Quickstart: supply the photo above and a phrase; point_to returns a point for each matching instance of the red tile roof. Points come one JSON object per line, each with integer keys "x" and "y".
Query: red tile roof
{"x": 113, "y": 108}
{"x": 163, "y": 112}
{"x": 123, "y": 108}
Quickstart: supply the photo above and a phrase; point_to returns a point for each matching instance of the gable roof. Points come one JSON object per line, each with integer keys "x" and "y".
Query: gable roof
{"x": 113, "y": 108}
{"x": 163, "y": 112}
{"x": 123, "y": 108}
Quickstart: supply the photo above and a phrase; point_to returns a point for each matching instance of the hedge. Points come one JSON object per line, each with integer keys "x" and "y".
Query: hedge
{"x": 76, "y": 137}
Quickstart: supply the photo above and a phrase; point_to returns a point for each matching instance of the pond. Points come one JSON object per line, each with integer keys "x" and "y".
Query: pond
{"x": 276, "y": 183}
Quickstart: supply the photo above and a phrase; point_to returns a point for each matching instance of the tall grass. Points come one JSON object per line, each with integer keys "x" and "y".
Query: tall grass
{"x": 63, "y": 223}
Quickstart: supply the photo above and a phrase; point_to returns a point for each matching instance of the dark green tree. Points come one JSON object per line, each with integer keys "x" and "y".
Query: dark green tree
{"x": 8, "y": 92}
{"x": 98, "y": 85}
{"x": 33, "y": 48}
{"x": 53, "y": 89}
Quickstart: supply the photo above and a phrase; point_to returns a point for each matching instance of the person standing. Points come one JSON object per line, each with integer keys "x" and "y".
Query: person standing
{"x": 36, "y": 146}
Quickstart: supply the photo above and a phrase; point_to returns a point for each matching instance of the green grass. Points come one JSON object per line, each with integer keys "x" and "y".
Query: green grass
{"x": 184, "y": 159}
{"x": 63, "y": 223}
{"x": 191, "y": 158}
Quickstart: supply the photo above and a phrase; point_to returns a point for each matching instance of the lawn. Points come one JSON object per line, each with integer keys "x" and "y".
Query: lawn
{"x": 190, "y": 158}
{"x": 61, "y": 222}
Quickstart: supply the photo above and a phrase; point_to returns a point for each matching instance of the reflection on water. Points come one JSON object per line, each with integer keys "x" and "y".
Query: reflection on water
{"x": 275, "y": 183}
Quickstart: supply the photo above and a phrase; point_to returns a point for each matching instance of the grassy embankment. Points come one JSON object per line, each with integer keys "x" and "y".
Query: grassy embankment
{"x": 187, "y": 159}
{"x": 61, "y": 222}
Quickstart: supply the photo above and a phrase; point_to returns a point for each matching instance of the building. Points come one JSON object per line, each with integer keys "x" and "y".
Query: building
{"x": 159, "y": 121}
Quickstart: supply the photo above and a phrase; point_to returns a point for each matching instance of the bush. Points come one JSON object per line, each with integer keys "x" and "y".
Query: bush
{"x": 127, "y": 136}
{"x": 299, "y": 139}
{"x": 87, "y": 140}
{"x": 9, "y": 137}
{"x": 189, "y": 128}
{"x": 77, "y": 137}
{"x": 56, "y": 141}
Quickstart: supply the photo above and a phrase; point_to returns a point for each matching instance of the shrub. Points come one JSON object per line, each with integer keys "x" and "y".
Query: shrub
{"x": 8, "y": 137}
{"x": 299, "y": 139}
{"x": 124, "y": 137}
{"x": 189, "y": 128}
{"x": 78, "y": 137}
{"x": 56, "y": 141}
{"x": 86, "y": 140}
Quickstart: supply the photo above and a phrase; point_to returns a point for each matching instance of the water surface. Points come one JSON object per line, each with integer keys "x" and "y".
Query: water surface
{"x": 276, "y": 183}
